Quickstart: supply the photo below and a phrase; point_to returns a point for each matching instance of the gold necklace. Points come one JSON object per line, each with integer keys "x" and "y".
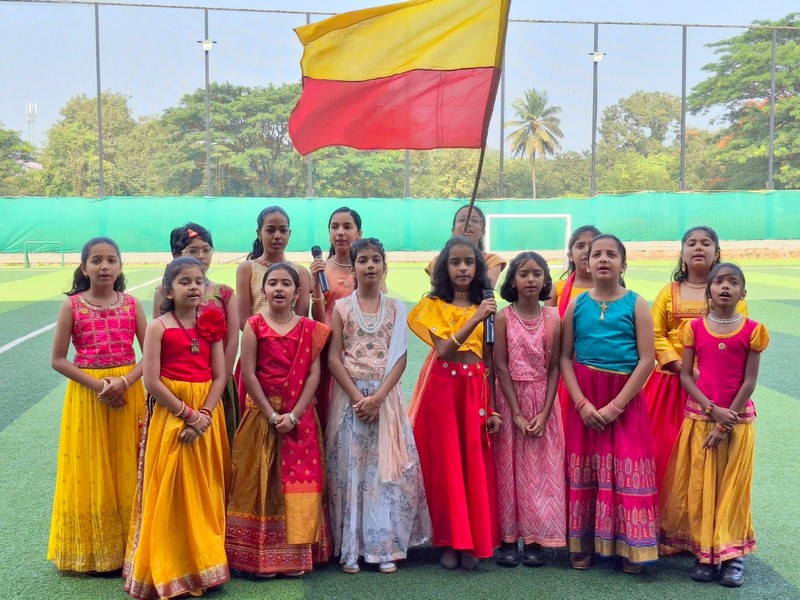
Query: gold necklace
{"x": 694, "y": 286}
{"x": 194, "y": 343}
{"x": 603, "y": 304}
{"x": 274, "y": 320}
{"x": 462, "y": 295}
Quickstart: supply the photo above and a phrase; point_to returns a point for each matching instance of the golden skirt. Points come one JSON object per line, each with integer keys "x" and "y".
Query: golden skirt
{"x": 178, "y": 538}
{"x": 706, "y": 498}
{"x": 96, "y": 477}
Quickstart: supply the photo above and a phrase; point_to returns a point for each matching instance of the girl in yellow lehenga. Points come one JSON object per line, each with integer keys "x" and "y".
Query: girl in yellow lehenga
{"x": 706, "y": 499}
{"x": 178, "y": 538}
{"x": 103, "y": 413}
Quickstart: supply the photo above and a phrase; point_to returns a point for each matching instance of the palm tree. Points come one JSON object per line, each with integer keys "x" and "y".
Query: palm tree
{"x": 537, "y": 131}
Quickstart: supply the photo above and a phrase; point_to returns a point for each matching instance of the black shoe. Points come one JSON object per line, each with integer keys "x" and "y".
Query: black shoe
{"x": 507, "y": 555}
{"x": 532, "y": 555}
{"x": 732, "y": 573}
{"x": 703, "y": 573}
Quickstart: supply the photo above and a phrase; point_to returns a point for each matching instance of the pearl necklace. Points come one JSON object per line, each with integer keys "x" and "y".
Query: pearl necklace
{"x": 338, "y": 264}
{"x": 721, "y": 321}
{"x": 359, "y": 315}
{"x": 537, "y": 320}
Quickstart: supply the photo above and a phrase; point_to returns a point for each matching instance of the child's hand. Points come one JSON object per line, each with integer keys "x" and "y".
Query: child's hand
{"x": 606, "y": 414}
{"x": 487, "y": 307}
{"x": 536, "y": 428}
{"x": 714, "y": 438}
{"x": 367, "y": 409}
{"x": 283, "y": 423}
{"x": 317, "y": 267}
{"x": 188, "y": 434}
{"x": 725, "y": 416}
{"x": 522, "y": 423}
{"x": 493, "y": 424}
{"x": 112, "y": 392}
{"x": 591, "y": 417}
{"x": 202, "y": 424}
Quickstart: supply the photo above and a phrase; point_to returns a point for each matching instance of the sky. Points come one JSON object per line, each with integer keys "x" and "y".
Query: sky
{"x": 47, "y": 53}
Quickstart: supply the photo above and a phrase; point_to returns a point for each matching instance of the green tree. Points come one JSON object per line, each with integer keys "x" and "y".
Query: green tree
{"x": 13, "y": 153}
{"x": 538, "y": 130}
{"x": 347, "y": 173}
{"x": 643, "y": 123}
{"x": 739, "y": 83}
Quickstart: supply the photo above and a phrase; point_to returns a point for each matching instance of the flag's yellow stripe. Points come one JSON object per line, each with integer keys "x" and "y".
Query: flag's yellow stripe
{"x": 397, "y": 38}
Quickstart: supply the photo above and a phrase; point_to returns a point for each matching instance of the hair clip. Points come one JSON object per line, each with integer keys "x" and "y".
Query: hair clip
{"x": 192, "y": 233}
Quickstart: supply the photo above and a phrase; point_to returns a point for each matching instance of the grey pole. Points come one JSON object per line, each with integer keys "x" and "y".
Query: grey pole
{"x": 594, "y": 110}
{"x": 683, "y": 115}
{"x": 310, "y": 159}
{"x": 502, "y": 190}
{"x": 407, "y": 186}
{"x": 101, "y": 183}
{"x": 208, "y": 113}
{"x": 771, "y": 151}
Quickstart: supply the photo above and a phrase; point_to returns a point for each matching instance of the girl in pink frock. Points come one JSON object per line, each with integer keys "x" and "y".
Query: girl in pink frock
{"x": 529, "y": 448}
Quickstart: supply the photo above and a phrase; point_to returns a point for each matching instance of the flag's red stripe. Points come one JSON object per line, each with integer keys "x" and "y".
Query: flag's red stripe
{"x": 418, "y": 110}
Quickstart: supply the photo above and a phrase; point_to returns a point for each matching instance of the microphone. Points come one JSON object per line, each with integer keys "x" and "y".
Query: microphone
{"x": 488, "y": 327}
{"x": 316, "y": 254}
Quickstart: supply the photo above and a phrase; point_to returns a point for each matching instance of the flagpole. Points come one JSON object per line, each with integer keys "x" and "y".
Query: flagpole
{"x": 477, "y": 183}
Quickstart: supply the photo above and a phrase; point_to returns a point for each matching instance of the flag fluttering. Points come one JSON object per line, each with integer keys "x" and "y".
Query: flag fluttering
{"x": 415, "y": 75}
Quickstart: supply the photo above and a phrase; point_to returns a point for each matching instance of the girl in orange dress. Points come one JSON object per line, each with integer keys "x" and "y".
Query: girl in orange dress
{"x": 103, "y": 414}
{"x": 456, "y": 416}
{"x": 275, "y": 512}
{"x": 178, "y": 538}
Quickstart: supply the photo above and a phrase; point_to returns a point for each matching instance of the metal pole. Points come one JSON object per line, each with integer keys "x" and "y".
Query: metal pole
{"x": 208, "y": 113}
{"x": 502, "y": 190}
{"x": 101, "y": 183}
{"x": 594, "y": 111}
{"x": 771, "y": 151}
{"x": 407, "y": 187}
{"x": 310, "y": 159}
{"x": 683, "y": 114}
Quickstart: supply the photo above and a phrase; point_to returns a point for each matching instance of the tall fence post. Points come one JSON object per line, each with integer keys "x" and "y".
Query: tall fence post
{"x": 596, "y": 58}
{"x": 771, "y": 151}
{"x": 101, "y": 182}
{"x": 683, "y": 113}
{"x": 207, "y": 49}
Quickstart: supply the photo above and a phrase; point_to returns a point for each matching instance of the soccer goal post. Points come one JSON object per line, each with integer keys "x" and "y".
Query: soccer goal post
{"x": 522, "y": 233}
{"x": 31, "y": 246}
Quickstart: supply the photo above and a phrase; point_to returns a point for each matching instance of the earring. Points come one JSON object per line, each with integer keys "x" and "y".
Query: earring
{"x": 684, "y": 266}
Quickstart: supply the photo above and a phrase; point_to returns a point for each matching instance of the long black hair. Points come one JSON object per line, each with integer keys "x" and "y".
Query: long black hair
{"x": 80, "y": 282}
{"x": 356, "y": 219}
{"x": 171, "y": 273}
{"x": 478, "y": 212}
{"x": 442, "y": 287}
{"x": 509, "y": 293}
{"x": 681, "y": 271}
{"x": 181, "y": 237}
{"x": 258, "y": 247}
{"x": 573, "y": 238}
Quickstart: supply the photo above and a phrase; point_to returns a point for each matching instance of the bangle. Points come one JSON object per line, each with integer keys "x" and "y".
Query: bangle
{"x": 293, "y": 419}
{"x": 196, "y": 421}
{"x": 180, "y": 412}
{"x": 496, "y": 414}
{"x": 273, "y": 417}
{"x": 317, "y": 298}
{"x": 126, "y": 382}
{"x": 723, "y": 428}
{"x": 455, "y": 341}
{"x": 709, "y": 408}
{"x": 614, "y": 409}
{"x": 207, "y": 412}
{"x": 581, "y": 403}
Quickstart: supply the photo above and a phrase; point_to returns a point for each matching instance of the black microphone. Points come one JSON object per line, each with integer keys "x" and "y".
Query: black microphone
{"x": 488, "y": 327}
{"x": 316, "y": 254}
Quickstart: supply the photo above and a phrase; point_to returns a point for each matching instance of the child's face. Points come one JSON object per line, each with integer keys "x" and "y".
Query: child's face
{"x": 103, "y": 265}
{"x": 529, "y": 280}
{"x": 699, "y": 250}
{"x": 280, "y": 290}
{"x": 369, "y": 267}
{"x": 579, "y": 252}
{"x": 274, "y": 233}
{"x": 201, "y": 250}
{"x": 474, "y": 231}
{"x": 605, "y": 260}
{"x": 726, "y": 288}
{"x": 343, "y": 231}
{"x": 461, "y": 265}
{"x": 188, "y": 288}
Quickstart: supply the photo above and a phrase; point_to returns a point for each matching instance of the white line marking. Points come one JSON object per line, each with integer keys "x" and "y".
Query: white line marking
{"x": 33, "y": 334}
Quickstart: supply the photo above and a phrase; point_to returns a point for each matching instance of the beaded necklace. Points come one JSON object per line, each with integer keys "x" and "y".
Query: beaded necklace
{"x": 194, "y": 343}
{"x": 359, "y": 315}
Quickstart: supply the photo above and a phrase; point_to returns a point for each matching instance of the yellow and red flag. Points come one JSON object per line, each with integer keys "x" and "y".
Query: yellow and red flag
{"x": 415, "y": 75}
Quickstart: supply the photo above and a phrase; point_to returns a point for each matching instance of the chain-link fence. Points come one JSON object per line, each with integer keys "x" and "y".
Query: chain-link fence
{"x": 131, "y": 99}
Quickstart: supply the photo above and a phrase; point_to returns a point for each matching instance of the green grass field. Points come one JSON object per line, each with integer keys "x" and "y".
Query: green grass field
{"x": 31, "y": 396}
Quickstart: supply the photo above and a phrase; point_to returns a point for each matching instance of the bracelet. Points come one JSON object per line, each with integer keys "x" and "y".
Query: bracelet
{"x": 581, "y": 403}
{"x": 709, "y": 408}
{"x": 196, "y": 421}
{"x": 180, "y": 412}
{"x": 723, "y": 428}
{"x": 455, "y": 341}
{"x": 273, "y": 417}
{"x": 317, "y": 298}
{"x": 614, "y": 409}
{"x": 293, "y": 419}
{"x": 126, "y": 382}
{"x": 207, "y": 412}
{"x": 496, "y": 414}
